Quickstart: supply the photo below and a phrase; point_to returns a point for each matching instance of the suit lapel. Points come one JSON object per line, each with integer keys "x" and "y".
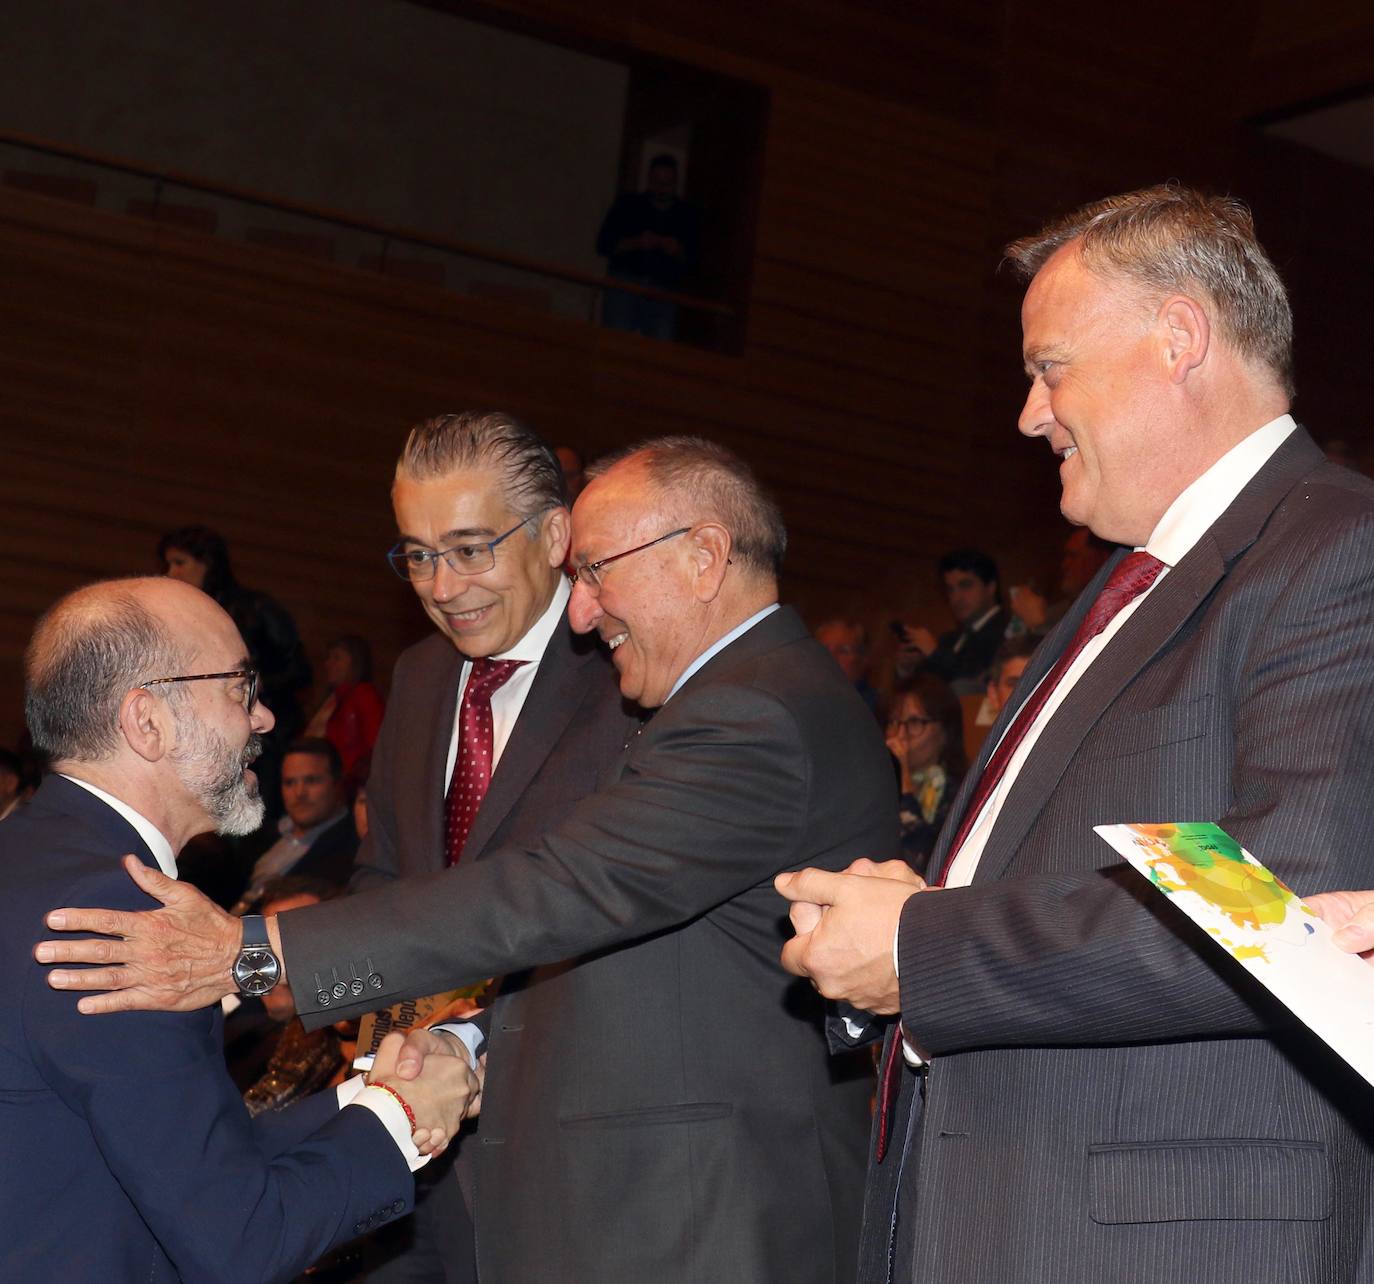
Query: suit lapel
{"x": 1149, "y": 629}
{"x": 1159, "y": 617}
{"x": 422, "y": 784}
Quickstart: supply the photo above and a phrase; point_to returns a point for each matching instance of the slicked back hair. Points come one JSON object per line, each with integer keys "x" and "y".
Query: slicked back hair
{"x": 1172, "y": 239}
{"x": 83, "y": 658}
{"x": 487, "y": 439}
{"x": 702, "y": 481}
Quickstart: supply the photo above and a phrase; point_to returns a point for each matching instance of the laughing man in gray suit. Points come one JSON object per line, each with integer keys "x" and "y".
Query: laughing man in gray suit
{"x": 682, "y": 1120}
{"x": 1089, "y": 1090}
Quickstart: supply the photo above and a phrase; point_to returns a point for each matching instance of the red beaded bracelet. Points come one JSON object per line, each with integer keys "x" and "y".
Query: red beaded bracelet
{"x": 401, "y": 1101}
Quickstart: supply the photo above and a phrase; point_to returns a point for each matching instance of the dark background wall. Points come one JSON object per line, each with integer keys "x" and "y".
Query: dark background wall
{"x": 154, "y": 375}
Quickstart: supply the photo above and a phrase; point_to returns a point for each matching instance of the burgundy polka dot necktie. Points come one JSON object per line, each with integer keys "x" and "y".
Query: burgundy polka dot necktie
{"x": 472, "y": 762}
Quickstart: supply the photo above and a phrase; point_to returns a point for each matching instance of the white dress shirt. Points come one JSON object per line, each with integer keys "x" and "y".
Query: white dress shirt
{"x": 353, "y": 1091}
{"x": 1185, "y": 521}
{"x": 509, "y": 698}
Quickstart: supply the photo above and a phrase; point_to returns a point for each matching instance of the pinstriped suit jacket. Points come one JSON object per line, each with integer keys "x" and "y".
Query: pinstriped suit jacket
{"x": 1109, "y": 1098}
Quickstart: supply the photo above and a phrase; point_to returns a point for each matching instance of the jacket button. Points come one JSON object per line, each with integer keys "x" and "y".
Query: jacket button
{"x": 360, "y": 1228}
{"x": 375, "y": 980}
{"x": 398, "y": 1207}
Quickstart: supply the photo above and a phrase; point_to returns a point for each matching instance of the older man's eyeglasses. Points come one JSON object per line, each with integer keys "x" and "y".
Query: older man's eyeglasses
{"x": 417, "y": 564}
{"x": 250, "y": 678}
{"x": 589, "y": 573}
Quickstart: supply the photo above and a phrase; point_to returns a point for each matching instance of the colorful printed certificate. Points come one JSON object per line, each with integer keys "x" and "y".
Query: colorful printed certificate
{"x": 1262, "y": 925}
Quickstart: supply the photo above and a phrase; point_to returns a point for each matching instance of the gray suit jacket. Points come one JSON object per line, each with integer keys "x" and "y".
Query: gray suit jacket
{"x": 660, "y": 1104}
{"x": 1110, "y": 1098}
{"x": 572, "y": 727}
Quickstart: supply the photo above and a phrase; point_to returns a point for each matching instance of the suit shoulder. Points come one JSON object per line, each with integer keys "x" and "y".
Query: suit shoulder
{"x": 62, "y": 858}
{"x": 427, "y": 656}
{"x": 1330, "y": 503}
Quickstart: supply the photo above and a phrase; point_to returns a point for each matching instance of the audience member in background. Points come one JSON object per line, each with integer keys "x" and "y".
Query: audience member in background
{"x": 962, "y": 656}
{"x": 1007, "y": 667}
{"x": 574, "y": 469}
{"x": 648, "y": 238}
{"x": 351, "y": 714}
{"x": 198, "y": 556}
{"x": 1084, "y": 555}
{"x": 11, "y": 782}
{"x": 925, "y": 733}
{"x": 847, "y": 641}
{"x": 318, "y": 838}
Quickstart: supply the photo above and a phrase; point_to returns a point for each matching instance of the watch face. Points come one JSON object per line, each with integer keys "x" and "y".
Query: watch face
{"x": 256, "y": 971}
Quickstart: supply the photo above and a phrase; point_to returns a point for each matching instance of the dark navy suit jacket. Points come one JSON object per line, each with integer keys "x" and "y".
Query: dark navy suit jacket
{"x": 128, "y": 1154}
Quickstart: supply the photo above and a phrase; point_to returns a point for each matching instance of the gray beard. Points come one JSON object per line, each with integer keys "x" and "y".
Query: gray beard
{"x": 213, "y": 774}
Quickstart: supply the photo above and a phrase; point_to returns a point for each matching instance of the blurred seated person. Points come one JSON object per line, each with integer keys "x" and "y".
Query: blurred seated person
{"x": 962, "y": 656}
{"x": 317, "y": 835}
{"x": 847, "y": 641}
{"x": 198, "y": 556}
{"x": 351, "y": 714}
{"x": 925, "y": 732}
{"x": 648, "y": 238}
{"x": 1084, "y": 555}
{"x": 1007, "y": 667}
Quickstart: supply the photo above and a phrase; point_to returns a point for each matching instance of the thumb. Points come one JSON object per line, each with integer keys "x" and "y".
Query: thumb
{"x": 153, "y": 880}
{"x": 819, "y": 886}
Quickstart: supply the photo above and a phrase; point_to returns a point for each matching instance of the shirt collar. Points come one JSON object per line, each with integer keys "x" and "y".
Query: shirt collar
{"x": 286, "y": 827}
{"x": 1204, "y": 500}
{"x": 531, "y": 647}
{"x": 983, "y": 619}
{"x": 150, "y": 833}
{"x": 719, "y": 645}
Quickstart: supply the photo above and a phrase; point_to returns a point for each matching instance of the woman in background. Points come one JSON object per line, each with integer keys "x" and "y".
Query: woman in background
{"x": 351, "y": 714}
{"x": 925, "y": 733}
{"x": 198, "y": 556}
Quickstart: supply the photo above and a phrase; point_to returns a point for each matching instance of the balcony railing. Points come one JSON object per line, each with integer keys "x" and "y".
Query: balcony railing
{"x": 296, "y": 227}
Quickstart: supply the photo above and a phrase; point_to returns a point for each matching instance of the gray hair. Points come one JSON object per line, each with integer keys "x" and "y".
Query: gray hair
{"x": 706, "y": 481}
{"x": 88, "y": 650}
{"x": 1171, "y": 238}
{"x": 487, "y": 439}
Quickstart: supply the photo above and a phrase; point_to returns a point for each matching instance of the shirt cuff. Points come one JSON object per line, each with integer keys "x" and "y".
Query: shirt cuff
{"x": 909, "y": 1052}
{"x": 468, "y": 1033}
{"x": 356, "y": 1092}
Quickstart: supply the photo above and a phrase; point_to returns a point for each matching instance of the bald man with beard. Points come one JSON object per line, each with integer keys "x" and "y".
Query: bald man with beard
{"x": 129, "y": 1154}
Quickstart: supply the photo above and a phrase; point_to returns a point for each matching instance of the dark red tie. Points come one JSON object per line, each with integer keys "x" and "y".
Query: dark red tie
{"x": 1132, "y": 576}
{"x": 472, "y": 762}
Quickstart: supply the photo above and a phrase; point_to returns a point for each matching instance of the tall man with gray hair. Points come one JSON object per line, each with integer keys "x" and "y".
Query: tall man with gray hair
{"x": 682, "y": 1119}
{"x": 1082, "y": 1087}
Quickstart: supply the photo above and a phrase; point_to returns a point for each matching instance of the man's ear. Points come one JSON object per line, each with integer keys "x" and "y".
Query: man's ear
{"x": 711, "y": 546}
{"x": 1186, "y": 335}
{"x": 557, "y": 535}
{"x": 146, "y": 724}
